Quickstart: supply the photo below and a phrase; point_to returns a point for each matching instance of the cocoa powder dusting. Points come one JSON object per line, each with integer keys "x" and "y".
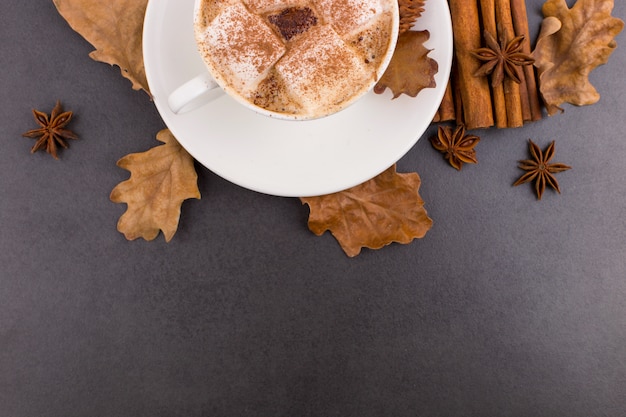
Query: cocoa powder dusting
{"x": 272, "y": 95}
{"x": 293, "y": 21}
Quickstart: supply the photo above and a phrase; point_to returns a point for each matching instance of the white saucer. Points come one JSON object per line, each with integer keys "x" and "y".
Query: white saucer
{"x": 288, "y": 158}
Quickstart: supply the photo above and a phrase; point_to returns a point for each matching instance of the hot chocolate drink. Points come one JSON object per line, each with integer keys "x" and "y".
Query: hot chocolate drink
{"x": 303, "y": 58}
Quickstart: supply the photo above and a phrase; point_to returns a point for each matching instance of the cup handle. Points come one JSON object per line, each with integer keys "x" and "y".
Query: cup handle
{"x": 192, "y": 90}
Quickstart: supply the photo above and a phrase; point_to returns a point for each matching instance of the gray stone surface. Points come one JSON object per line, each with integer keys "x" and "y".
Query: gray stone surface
{"x": 508, "y": 307}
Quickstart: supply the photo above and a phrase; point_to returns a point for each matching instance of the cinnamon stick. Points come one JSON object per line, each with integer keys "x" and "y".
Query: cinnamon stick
{"x": 525, "y": 101}
{"x": 475, "y": 93}
{"x": 520, "y": 24}
{"x": 488, "y": 12}
{"x": 456, "y": 92}
{"x": 446, "y": 108}
{"x": 511, "y": 88}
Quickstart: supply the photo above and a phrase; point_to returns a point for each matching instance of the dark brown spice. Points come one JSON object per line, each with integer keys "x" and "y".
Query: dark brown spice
{"x": 52, "y": 132}
{"x": 540, "y": 170}
{"x": 293, "y": 21}
{"x": 502, "y": 59}
{"x": 456, "y": 146}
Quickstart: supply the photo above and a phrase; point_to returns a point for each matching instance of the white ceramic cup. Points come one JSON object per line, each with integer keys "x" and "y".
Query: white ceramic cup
{"x": 204, "y": 88}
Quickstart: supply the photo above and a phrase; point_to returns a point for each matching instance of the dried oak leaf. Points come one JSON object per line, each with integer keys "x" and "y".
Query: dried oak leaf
{"x": 410, "y": 11}
{"x": 161, "y": 179}
{"x": 571, "y": 44}
{"x": 114, "y": 28}
{"x": 410, "y": 69}
{"x": 385, "y": 209}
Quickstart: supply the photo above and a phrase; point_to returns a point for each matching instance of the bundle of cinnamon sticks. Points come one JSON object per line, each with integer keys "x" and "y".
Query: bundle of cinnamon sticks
{"x": 471, "y": 100}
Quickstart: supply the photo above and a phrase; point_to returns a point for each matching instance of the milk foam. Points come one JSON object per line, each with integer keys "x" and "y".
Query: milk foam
{"x": 321, "y": 70}
{"x": 347, "y": 15}
{"x": 242, "y": 46}
{"x": 311, "y": 74}
{"x": 266, "y": 6}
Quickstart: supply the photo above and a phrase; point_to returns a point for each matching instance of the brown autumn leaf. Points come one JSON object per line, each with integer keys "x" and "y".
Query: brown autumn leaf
{"x": 114, "y": 28}
{"x": 410, "y": 69}
{"x": 410, "y": 11}
{"x": 160, "y": 180}
{"x": 572, "y": 43}
{"x": 385, "y": 209}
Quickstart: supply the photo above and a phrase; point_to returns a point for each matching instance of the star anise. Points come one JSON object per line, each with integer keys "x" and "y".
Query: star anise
{"x": 457, "y": 147}
{"x": 540, "y": 170}
{"x": 502, "y": 59}
{"x": 52, "y": 132}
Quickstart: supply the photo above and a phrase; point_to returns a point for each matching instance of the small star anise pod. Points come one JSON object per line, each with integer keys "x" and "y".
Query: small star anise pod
{"x": 504, "y": 59}
{"x": 457, "y": 147}
{"x": 540, "y": 170}
{"x": 52, "y": 132}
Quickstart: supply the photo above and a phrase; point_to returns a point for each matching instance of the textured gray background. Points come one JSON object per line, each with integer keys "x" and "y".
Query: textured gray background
{"x": 508, "y": 307}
